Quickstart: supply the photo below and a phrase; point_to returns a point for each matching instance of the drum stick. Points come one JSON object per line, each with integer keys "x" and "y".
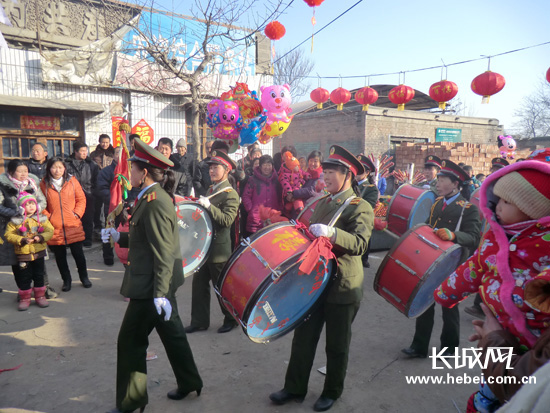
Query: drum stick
{"x": 219, "y": 192}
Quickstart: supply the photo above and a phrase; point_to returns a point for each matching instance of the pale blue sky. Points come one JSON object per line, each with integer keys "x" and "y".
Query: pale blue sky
{"x": 392, "y": 36}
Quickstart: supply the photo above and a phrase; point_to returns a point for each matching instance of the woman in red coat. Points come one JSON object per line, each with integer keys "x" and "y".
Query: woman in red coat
{"x": 66, "y": 205}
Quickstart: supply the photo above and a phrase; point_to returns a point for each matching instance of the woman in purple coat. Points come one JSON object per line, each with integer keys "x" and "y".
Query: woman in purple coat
{"x": 262, "y": 188}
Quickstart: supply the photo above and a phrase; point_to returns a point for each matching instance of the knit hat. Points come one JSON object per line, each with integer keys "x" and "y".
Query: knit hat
{"x": 290, "y": 161}
{"x": 528, "y": 189}
{"x": 181, "y": 143}
{"x": 22, "y": 200}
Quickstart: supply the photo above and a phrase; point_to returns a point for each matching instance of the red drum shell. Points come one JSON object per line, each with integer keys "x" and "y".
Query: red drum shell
{"x": 268, "y": 308}
{"x": 307, "y": 212}
{"x": 416, "y": 265}
{"x": 409, "y": 206}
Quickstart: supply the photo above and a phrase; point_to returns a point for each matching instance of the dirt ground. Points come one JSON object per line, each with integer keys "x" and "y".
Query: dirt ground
{"x": 68, "y": 356}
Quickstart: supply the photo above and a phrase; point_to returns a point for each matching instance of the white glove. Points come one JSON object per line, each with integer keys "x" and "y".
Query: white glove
{"x": 163, "y": 304}
{"x": 107, "y": 233}
{"x": 322, "y": 230}
{"x": 205, "y": 202}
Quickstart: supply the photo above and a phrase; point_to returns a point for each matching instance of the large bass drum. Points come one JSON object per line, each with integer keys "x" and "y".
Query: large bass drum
{"x": 196, "y": 232}
{"x": 409, "y": 206}
{"x": 262, "y": 286}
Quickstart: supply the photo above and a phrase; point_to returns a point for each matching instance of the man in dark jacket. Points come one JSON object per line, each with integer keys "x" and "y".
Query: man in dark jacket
{"x": 103, "y": 156}
{"x": 188, "y": 166}
{"x": 85, "y": 171}
{"x": 165, "y": 146}
{"x": 38, "y": 160}
{"x": 203, "y": 167}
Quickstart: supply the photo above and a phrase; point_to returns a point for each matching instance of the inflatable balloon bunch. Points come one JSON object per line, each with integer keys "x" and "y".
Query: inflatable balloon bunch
{"x": 240, "y": 118}
{"x": 276, "y": 101}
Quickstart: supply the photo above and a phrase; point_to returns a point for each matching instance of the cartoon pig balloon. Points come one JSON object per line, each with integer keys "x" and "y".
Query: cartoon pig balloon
{"x": 276, "y": 101}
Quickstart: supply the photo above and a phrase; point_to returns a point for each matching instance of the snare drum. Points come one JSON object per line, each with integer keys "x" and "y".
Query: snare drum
{"x": 414, "y": 268}
{"x": 196, "y": 232}
{"x": 409, "y": 206}
{"x": 262, "y": 286}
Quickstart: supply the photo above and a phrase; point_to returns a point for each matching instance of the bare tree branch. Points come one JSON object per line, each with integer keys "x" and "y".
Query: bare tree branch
{"x": 294, "y": 69}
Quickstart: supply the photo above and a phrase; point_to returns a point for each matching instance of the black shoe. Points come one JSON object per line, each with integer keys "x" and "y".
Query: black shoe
{"x": 366, "y": 264}
{"x": 323, "y": 404}
{"x": 87, "y": 244}
{"x": 109, "y": 261}
{"x": 192, "y": 329}
{"x": 115, "y": 410}
{"x": 177, "y": 394}
{"x": 412, "y": 353}
{"x": 86, "y": 283}
{"x": 282, "y": 397}
{"x": 227, "y": 327}
{"x": 66, "y": 286}
{"x": 475, "y": 311}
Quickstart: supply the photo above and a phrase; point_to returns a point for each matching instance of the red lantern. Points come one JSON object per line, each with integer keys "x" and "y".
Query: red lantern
{"x": 340, "y": 97}
{"x": 314, "y": 3}
{"x": 274, "y": 30}
{"x": 548, "y": 75}
{"x": 443, "y": 92}
{"x": 366, "y": 96}
{"x": 488, "y": 84}
{"x": 319, "y": 96}
{"x": 400, "y": 95}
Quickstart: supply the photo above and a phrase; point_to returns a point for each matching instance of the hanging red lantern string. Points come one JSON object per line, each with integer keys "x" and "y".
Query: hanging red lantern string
{"x": 442, "y": 92}
{"x": 401, "y": 95}
{"x": 340, "y": 97}
{"x": 319, "y": 96}
{"x": 488, "y": 84}
{"x": 366, "y": 96}
{"x": 313, "y": 3}
{"x": 274, "y": 30}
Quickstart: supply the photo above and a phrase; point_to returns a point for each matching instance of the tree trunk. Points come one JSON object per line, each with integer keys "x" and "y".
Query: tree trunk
{"x": 196, "y": 137}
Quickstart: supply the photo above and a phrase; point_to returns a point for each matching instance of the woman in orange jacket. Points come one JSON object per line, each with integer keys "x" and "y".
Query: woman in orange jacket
{"x": 66, "y": 205}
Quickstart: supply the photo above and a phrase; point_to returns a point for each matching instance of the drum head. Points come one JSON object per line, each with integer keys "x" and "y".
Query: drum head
{"x": 421, "y": 210}
{"x": 444, "y": 266}
{"x": 196, "y": 233}
{"x": 277, "y": 307}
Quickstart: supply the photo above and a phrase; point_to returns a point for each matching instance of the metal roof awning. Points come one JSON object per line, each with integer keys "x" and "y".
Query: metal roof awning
{"x": 51, "y": 104}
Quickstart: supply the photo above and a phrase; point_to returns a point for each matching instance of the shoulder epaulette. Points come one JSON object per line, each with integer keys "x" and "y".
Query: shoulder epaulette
{"x": 151, "y": 197}
{"x": 355, "y": 201}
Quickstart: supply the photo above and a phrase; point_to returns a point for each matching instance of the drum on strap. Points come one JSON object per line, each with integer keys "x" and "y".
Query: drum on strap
{"x": 196, "y": 232}
{"x": 307, "y": 212}
{"x": 262, "y": 286}
{"x": 409, "y": 206}
{"x": 416, "y": 265}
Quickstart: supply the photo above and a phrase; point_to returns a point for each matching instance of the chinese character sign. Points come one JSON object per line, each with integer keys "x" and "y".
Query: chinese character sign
{"x": 144, "y": 131}
{"x": 40, "y": 122}
{"x": 116, "y": 121}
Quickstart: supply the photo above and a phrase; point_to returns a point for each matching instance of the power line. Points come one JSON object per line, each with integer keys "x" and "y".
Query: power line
{"x": 318, "y": 31}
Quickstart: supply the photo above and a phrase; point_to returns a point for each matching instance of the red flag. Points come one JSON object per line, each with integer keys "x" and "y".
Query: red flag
{"x": 120, "y": 184}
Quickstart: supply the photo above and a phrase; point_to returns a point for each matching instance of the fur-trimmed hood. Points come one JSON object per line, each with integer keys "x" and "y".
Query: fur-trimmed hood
{"x": 19, "y": 219}
{"x": 487, "y": 204}
{"x": 10, "y": 186}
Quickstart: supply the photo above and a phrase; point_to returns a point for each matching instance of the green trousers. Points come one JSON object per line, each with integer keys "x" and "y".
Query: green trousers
{"x": 338, "y": 319}
{"x": 133, "y": 339}
{"x": 200, "y": 299}
{"x": 450, "y": 334}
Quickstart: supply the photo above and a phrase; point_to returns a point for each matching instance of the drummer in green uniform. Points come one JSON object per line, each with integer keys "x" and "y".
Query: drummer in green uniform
{"x": 222, "y": 202}
{"x": 432, "y": 166}
{"x": 453, "y": 219}
{"x": 338, "y": 308}
{"x": 369, "y": 192}
{"x": 155, "y": 273}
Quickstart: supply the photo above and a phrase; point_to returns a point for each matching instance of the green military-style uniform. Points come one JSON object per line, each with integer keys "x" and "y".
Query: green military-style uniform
{"x": 223, "y": 209}
{"x": 154, "y": 271}
{"x": 467, "y": 236}
{"x": 369, "y": 192}
{"x": 431, "y": 184}
{"x": 340, "y": 305}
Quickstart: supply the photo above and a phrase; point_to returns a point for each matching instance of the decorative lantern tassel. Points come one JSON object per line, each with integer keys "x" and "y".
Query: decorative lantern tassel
{"x": 319, "y": 106}
{"x": 442, "y": 105}
{"x": 365, "y": 108}
{"x": 401, "y": 106}
{"x": 340, "y": 106}
{"x": 485, "y": 99}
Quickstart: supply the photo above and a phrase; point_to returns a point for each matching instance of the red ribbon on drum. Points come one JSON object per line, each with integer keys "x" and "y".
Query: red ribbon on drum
{"x": 320, "y": 247}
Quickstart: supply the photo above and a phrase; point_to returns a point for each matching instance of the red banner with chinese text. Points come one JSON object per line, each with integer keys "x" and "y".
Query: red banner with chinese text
{"x": 145, "y": 132}
{"x": 116, "y": 121}
{"x": 40, "y": 122}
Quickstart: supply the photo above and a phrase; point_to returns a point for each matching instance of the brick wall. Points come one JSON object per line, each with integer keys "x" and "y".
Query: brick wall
{"x": 477, "y": 155}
